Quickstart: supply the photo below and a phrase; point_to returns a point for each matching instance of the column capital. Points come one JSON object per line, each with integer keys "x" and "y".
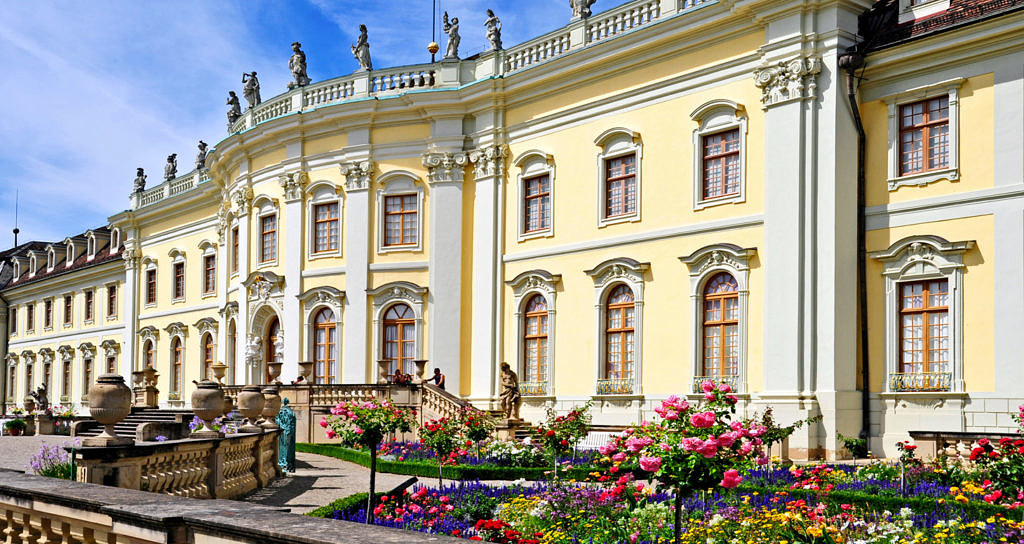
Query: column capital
{"x": 294, "y": 185}
{"x": 788, "y": 80}
{"x": 445, "y": 166}
{"x": 358, "y": 174}
{"x": 131, "y": 258}
{"x": 243, "y": 200}
{"x": 488, "y": 160}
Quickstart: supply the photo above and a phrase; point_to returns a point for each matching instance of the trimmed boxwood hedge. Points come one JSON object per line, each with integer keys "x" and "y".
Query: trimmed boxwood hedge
{"x": 427, "y": 469}
{"x": 343, "y": 504}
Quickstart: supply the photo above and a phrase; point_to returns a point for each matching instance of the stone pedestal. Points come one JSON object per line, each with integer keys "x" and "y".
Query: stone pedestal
{"x": 146, "y": 396}
{"x": 45, "y": 424}
{"x": 505, "y": 429}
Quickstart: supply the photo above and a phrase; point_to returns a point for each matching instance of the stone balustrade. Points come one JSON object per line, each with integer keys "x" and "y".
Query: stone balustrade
{"x": 167, "y": 189}
{"x": 35, "y": 509}
{"x": 952, "y": 443}
{"x": 219, "y": 468}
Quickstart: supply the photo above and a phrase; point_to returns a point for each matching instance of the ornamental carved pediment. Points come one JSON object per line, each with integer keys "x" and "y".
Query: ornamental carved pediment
{"x": 206, "y": 325}
{"x": 46, "y": 355}
{"x": 263, "y": 285}
{"x": 87, "y": 349}
{"x": 922, "y": 255}
{"x": 322, "y": 295}
{"x": 110, "y": 348}
{"x": 622, "y": 268}
{"x": 149, "y": 332}
{"x": 66, "y": 353}
{"x": 177, "y": 329}
{"x": 534, "y": 280}
{"x": 398, "y": 291}
{"x": 719, "y": 256}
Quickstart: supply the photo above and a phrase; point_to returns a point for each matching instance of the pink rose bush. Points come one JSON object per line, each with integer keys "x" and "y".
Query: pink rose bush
{"x": 694, "y": 447}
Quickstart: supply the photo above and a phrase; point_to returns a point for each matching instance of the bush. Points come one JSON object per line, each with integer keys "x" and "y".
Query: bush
{"x": 16, "y": 424}
{"x": 53, "y": 462}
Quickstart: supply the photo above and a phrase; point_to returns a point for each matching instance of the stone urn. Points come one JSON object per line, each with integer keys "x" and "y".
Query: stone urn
{"x": 110, "y": 401}
{"x": 229, "y": 404}
{"x": 271, "y": 407}
{"x": 273, "y": 371}
{"x": 138, "y": 376}
{"x": 250, "y": 404}
{"x": 219, "y": 371}
{"x": 306, "y": 370}
{"x": 149, "y": 376}
{"x": 30, "y": 404}
{"x": 207, "y": 403}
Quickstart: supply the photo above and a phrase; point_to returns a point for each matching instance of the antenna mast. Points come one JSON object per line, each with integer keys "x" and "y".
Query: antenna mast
{"x": 16, "y": 229}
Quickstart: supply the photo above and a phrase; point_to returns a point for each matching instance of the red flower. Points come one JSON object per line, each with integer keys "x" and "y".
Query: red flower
{"x": 550, "y": 433}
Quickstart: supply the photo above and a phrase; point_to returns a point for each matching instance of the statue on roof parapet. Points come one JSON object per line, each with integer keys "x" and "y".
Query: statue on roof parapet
{"x": 493, "y": 25}
{"x": 201, "y": 156}
{"x": 251, "y": 89}
{"x": 140, "y": 180}
{"x": 581, "y": 8}
{"x": 451, "y": 28}
{"x": 171, "y": 168}
{"x": 361, "y": 51}
{"x": 297, "y": 64}
{"x": 235, "y": 109}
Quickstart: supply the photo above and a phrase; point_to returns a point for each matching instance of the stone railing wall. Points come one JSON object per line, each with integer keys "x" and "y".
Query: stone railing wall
{"x": 438, "y": 403}
{"x": 168, "y": 189}
{"x": 35, "y": 509}
{"x": 220, "y": 468}
{"x": 931, "y": 443}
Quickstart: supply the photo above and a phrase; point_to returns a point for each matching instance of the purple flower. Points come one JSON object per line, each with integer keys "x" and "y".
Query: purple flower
{"x": 160, "y": 438}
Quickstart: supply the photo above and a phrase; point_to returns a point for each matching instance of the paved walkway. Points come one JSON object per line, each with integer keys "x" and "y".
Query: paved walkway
{"x": 15, "y": 451}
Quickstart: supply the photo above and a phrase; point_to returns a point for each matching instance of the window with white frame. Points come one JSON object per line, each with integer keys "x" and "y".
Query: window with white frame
{"x": 234, "y": 250}
{"x": 209, "y": 260}
{"x": 719, "y": 275}
{"x": 323, "y": 306}
{"x": 325, "y": 220}
{"x": 719, "y": 151}
{"x": 48, "y": 314}
{"x": 50, "y": 253}
{"x": 150, "y": 278}
{"x": 399, "y": 212}
{"x": 534, "y": 294}
{"x": 535, "y": 182}
{"x": 90, "y": 246}
{"x": 111, "y": 301}
{"x": 619, "y": 289}
{"x": 398, "y": 324}
{"x": 924, "y": 313}
{"x": 618, "y": 166}
{"x": 30, "y": 317}
{"x": 12, "y": 320}
{"x": 924, "y": 134}
{"x": 69, "y": 301}
{"x": 115, "y": 240}
{"x": 88, "y": 305}
{"x": 266, "y": 231}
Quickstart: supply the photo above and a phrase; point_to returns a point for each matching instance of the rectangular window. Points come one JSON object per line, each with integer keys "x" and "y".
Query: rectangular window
{"x": 924, "y": 136}
{"x": 151, "y": 286}
{"x": 68, "y": 305}
{"x": 209, "y": 274}
{"x": 87, "y": 313}
{"x": 65, "y": 386}
{"x": 234, "y": 249}
{"x": 924, "y": 327}
{"x": 112, "y": 365}
{"x": 326, "y": 228}
{"x": 86, "y": 375}
{"x": 620, "y": 186}
{"x": 12, "y": 317}
{"x": 721, "y": 164}
{"x": 268, "y": 238}
{"x": 179, "y": 281}
{"x": 30, "y": 317}
{"x": 537, "y": 203}
{"x": 47, "y": 314}
{"x": 400, "y": 220}
{"x": 111, "y": 300}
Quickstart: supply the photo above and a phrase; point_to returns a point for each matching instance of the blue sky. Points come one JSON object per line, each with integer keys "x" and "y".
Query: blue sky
{"x": 92, "y": 90}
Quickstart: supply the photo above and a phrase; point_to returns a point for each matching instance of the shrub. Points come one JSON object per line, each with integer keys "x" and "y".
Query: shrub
{"x": 16, "y": 424}
{"x": 53, "y": 462}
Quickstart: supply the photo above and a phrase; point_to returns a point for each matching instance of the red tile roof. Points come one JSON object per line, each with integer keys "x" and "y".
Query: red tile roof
{"x": 959, "y": 13}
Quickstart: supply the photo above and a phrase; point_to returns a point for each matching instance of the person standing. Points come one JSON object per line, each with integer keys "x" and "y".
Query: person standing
{"x": 438, "y": 378}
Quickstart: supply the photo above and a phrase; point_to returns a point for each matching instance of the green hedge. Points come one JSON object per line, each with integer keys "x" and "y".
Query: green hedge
{"x": 427, "y": 469}
{"x": 343, "y": 504}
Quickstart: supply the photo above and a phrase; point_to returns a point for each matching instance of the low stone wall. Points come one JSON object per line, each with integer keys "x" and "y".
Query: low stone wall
{"x": 213, "y": 468}
{"x": 37, "y": 509}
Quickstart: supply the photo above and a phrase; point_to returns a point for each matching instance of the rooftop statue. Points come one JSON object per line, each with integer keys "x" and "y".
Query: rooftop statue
{"x": 201, "y": 156}
{"x": 493, "y": 25}
{"x": 235, "y": 111}
{"x": 251, "y": 89}
{"x": 581, "y": 8}
{"x": 452, "y": 30}
{"x": 171, "y": 168}
{"x": 361, "y": 51}
{"x": 297, "y": 64}
{"x": 140, "y": 180}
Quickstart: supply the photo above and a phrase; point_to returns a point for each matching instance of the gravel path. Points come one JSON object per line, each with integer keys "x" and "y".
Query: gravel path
{"x": 15, "y": 451}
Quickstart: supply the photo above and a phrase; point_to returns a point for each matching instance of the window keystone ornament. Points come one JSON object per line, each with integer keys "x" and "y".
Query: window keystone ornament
{"x": 110, "y": 348}
{"x": 262, "y": 285}
{"x": 177, "y": 329}
{"x": 206, "y": 325}
{"x": 445, "y": 167}
{"x": 357, "y": 174}
{"x": 788, "y": 80}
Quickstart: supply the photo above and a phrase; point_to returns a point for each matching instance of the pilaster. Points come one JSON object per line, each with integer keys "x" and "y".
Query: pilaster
{"x": 294, "y": 185}
{"x": 130, "y": 305}
{"x": 355, "y": 353}
{"x": 243, "y": 204}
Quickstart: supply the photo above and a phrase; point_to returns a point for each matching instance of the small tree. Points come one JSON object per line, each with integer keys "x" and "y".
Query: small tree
{"x": 477, "y": 425}
{"x": 560, "y": 434}
{"x": 364, "y": 425}
{"x": 443, "y": 437}
{"x": 694, "y": 448}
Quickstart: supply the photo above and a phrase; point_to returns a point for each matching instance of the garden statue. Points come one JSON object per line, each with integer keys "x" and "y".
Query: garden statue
{"x": 361, "y": 51}
{"x": 42, "y": 402}
{"x": 252, "y": 350}
{"x": 493, "y": 25}
{"x": 235, "y": 111}
{"x": 510, "y": 396}
{"x": 251, "y": 89}
{"x": 452, "y": 30}
{"x": 297, "y": 64}
{"x": 279, "y": 347}
{"x": 201, "y": 156}
{"x": 171, "y": 168}
{"x": 140, "y": 180}
{"x": 286, "y": 444}
{"x": 581, "y": 8}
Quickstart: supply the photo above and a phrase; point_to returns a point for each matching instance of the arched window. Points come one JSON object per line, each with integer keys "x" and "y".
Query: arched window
{"x": 619, "y": 334}
{"x": 207, "y": 356}
{"x": 176, "y": 362}
{"x": 273, "y": 330}
{"x": 400, "y": 337}
{"x": 324, "y": 345}
{"x": 721, "y": 327}
{"x": 147, "y": 350}
{"x": 535, "y": 340}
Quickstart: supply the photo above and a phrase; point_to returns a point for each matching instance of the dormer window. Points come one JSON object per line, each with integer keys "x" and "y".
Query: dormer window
{"x": 31, "y": 265}
{"x": 912, "y": 10}
{"x": 90, "y": 247}
{"x": 49, "y": 260}
{"x": 69, "y": 258}
{"x": 115, "y": 241}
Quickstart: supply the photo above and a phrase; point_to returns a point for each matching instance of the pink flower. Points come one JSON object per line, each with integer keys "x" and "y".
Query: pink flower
{"x": 727, "y": 439}
{"x": 331, "y": 434}
{"x": 690, "y": 443}
{"x": 762, "y": 460}
{"x": 323, "y": 422}
{"x": 671, "y": 415}
{"x": 607, "y": 449}
{"x": 358, "y": 430}
{"x": 746, "y": 448}
{"x": 731, "y": 478}
{"x": 619, "y": 457}
{"x": 635, "y": 444}
{"x": 664, "y": 446}
{"x": 650, "y": 464}
{"x": 708, "y": 448}
{"x": 724, "y": 387}
{"x": 707, "y": 386}
{"x": 703, "y": 420}
{"x": 709, "y": 396}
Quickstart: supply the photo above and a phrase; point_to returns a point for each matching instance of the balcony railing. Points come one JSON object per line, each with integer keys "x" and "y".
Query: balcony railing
{"x": 615, "y": 387}
{"x": 698, "y": 381}
{"x": 533, "y": 388}
{"x": 167, "y": 189}
{"x": 921, "y": 381}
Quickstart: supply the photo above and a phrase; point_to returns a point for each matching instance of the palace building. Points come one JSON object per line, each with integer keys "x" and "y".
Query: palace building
{"x": 657, "y": 194}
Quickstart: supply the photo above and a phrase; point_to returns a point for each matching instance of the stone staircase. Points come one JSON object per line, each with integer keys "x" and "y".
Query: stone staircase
{"x": 142, "y": 424}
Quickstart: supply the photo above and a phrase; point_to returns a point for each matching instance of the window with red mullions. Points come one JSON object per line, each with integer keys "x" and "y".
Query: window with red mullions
{"x": 150, "y": 286}
{"x": 620, "y": 186}
{"x": 537, "y": 205}
{"x": 400, "y": 220}
{"x": 326, "y": 235}
{"x": 924, "y": 136}
{"x": 721, "y": 164}
{"x": 209, "y": 273}
{"x": 268, "y": 249}
{"x": 179, "y": 280}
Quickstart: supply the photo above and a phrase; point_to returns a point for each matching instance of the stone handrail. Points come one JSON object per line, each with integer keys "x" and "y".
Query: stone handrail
{"x": 537, "y": 50}
{"x": 438, "y": 403}
{"x": 40, "y": 509}
{"x": 952, "y": 443}
{"x": 402, "y": 78}
{"x": 620, "y": 20}
{"x": 167, "y": 189}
